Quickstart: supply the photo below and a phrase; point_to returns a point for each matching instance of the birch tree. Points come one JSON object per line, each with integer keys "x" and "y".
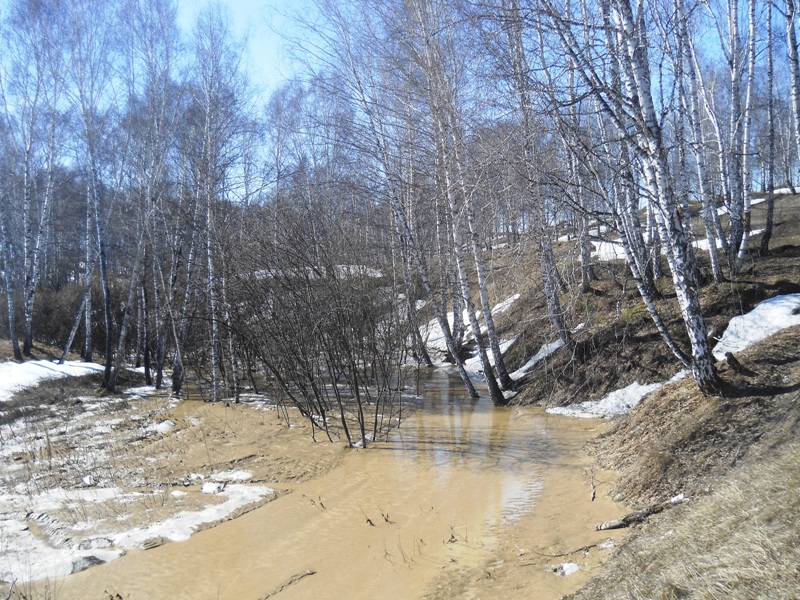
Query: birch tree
{"x": 89, "y": 70}
{"x": 634, "y": 114}
{"x": 352, "y": 59}
{"x": 439, "y": 56}
{"x": 768, "y": 227}
{"x": 219, "y": 96}
{"x": 520, "y": 70}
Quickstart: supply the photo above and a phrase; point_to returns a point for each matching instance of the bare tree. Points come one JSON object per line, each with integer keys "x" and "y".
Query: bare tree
{"x": 634, "y": 111}
{"x": 766, "y": 238}
{"x": 92, "y": 45}
{"x": 359, "y": 83}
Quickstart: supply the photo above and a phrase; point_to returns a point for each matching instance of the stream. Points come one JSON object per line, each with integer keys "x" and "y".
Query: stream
{"x": 459, "y": 490}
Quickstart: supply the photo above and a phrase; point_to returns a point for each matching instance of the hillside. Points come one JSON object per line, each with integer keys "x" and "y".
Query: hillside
{"x": 734, "y": 457}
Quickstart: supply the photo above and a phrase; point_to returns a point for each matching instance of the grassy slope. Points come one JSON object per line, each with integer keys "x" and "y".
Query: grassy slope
{"x": 736, "y": 457}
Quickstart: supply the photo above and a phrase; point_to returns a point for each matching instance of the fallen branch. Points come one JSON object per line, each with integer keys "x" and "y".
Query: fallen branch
{"x": 563, "y": 554}
{"x": 291, "y": 581}
{"x": 641, "y": 515}
{"x": 591, "y": 482}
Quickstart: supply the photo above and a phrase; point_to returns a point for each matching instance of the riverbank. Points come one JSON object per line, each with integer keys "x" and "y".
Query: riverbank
{"x": 735, "y": 458}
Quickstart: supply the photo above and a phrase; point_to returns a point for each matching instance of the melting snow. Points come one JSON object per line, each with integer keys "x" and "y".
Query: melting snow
{"x": 768, "y": 317}
{"x": 181, "y": 526}
{"x": 26, "y": 555}
{"x": 614, "y": 404}
{"x": 435, "y": 337}
{"x": 605, "y": 251}
{"x": 566, "y": 569}
{"x": 16, "y": 376}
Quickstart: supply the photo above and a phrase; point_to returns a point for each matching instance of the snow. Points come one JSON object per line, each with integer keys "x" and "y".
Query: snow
{"x": 614, "y": 404}
{"x": 767, "y": 318}
{"x": 782, "y": 191}
{"x": 504, "y": 305}
{"x": 163, "y": 427}
{"x": 608, "y": 250}
{"x": 232, "y": 476}
{"x": 435, "y": 337}
{"x": 474, "y": 365}
{"x": 566, "y": 569}
{"x": 545, "y": 351}
{"x": 723, "y": 210}
{"x": 17, "y": 376}
{"x": 25, "y": 508}
{"x": 703, "y": 244}
{"x": 210, "y": 487}
{"x": 605, "y": 251}
{"x": 182, "y": 525}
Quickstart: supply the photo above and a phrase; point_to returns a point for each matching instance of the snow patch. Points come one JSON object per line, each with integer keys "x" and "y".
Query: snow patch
{"x": 184, "y": 524}
{"x": 614, "y": 404}
{"x": 767, "y": 318}
{"x": 232, "y": 476}
{"x": 435, "y": 337}
{"x": 545, "y": 351}
{"x": 704, "y": 245}
{"x": 474, "y": 365}
{"x": 608, "y": 250}
{"x": 163, "y": 427}
{"x": 17, "y": 376}
{"x": 565, "y": 569}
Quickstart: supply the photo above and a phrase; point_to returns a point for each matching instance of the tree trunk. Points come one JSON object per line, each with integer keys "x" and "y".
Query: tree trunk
{"x": 544, "y": 245}
{"x": 126, "y": 312}
{"x": 8, "y": 267}
{"x": 765, "y": 239}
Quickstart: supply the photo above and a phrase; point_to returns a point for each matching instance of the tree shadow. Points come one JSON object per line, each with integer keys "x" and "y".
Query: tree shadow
{"x": 747, "y": 389}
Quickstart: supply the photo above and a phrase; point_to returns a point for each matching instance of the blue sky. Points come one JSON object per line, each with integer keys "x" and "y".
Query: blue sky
{"x": 262, "y": 22}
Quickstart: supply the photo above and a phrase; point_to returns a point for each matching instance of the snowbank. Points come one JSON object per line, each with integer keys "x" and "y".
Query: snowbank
{"x": 474, "y": 365}
{"x": 768, "y": 317}
{"x": 435, "y": 337}
{"x": 614, "y": 404}
{"x": 17, "y": 376}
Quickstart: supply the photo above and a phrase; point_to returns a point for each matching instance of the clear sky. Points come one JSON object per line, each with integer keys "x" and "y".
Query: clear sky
{"x": 262, "y": 22}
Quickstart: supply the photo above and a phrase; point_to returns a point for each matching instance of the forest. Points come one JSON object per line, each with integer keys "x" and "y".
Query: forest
{"x": 157, "y": 209}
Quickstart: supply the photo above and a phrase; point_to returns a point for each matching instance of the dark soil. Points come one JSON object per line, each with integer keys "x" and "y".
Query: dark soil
{"x": 618, "y": 343}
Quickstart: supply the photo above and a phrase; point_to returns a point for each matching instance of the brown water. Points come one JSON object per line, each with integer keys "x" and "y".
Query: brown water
{"x": 442, "y": 496}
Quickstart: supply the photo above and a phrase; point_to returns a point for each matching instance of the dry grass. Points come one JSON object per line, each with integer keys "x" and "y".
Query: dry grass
{"x": 739, "y": 542}
{"x": 737, "y": 459}
{"x": 679, "y": 441}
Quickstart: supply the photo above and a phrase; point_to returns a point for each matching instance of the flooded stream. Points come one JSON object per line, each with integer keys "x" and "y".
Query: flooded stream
{"x": 459, "y": 490}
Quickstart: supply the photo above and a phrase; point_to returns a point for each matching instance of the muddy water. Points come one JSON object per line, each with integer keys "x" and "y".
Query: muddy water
{"x": 433, "y": 505}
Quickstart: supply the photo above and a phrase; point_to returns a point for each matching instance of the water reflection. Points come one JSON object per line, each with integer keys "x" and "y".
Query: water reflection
{"x": 455, "y": 437}
{"x": 454, "y": 430}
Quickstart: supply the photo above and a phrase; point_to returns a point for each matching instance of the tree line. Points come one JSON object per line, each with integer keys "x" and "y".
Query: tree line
{"x": 156, "y": 209}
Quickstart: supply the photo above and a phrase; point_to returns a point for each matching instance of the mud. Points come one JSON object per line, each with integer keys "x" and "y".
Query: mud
{"x": 463, "y": 500}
